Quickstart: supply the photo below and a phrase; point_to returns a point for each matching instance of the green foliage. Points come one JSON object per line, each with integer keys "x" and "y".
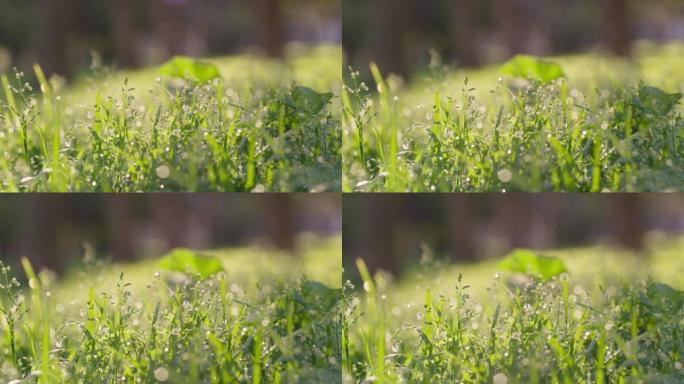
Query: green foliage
{"x": 529, "y": 262}
{"x": 190, "y": 262}
{"x": 585, "y": 329}
{"x": 588, "y": 132}
{"x": 532, "y": 68}
{"x": 187, "y": 68}
{"x": 210, "y": 330}
{"x": 656, "y": 101}
{"x": 308, "y": 100}
{"x": 210, "y": 134}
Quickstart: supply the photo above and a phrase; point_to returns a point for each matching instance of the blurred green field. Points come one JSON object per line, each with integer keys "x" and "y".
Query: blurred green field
{"x": 478, "y": 323}
{"x": 589, "y": 266}
{"x": 317, "y": 67}
{"x": 319, "y": 259}
{"x": 658, "y": 65}
{"x": 264, "y": 125}
{"x": 268, "y": 317}
{"x": 455, "y": 130}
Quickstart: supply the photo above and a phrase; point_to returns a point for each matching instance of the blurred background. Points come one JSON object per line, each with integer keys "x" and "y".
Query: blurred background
{"x": 54, "y": 231}
{"x": 393, "y": 231}
{"x": 61, "y": 34}
{"x": 399, "y": 34}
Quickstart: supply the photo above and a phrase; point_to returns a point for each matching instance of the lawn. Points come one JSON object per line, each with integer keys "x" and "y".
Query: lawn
{"x": 611, "y": 317}
{"x": 241, "y": 315}
{"x": 240, "y": 123}
{"x": 584, "y": 122}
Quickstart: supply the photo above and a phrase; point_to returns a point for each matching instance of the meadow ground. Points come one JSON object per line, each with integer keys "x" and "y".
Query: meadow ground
{"x": 612, "y": 317}
{"x": 266, "y": 318}
{"x": 572, "y": 123}
{"x": 263, "y": 125}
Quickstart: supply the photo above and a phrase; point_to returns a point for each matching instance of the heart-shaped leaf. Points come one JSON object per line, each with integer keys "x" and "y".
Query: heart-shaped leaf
{"x": 665, "y": 298}
{"x": 320, "y": 293}
{"x": 657, "y": 101}
{"x": 306, "y": 99}
{"x": 529, "y": 262}
{"x": 532, "y": 68}
{"x": 190, "y": 262}
{"x": 184, "y": 67}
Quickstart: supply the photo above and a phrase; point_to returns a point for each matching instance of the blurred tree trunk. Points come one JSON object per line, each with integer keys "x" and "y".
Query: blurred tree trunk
{"x": 270, "y": 30}
{"x": 40, "y": 236}
{"x": 121, "y": 225}
{"x": 171, "y": 219}
{"x": 627, "y": 220}
{"x": 170, "y": 28}
{"x": 510, "y": 17}
{"x": 391, "y": 24}
{"x": 464, "y": 33}
{"x": 53, "y": 34}
{"x": 124, "y": 32}
{"x": 513, "y": 219}
{"x": 616, "y": 26}
{"x": 460, "y": 227}
{"x": 383, "y": 212}
{"x": 280, "y": 221}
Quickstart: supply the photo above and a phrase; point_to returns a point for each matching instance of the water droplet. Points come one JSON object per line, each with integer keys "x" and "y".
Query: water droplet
{"x": 161, "y": 374}
{"x": 504, "y": 175}
{"x": 163, "y": 171}
{"x": 367, "y": 286}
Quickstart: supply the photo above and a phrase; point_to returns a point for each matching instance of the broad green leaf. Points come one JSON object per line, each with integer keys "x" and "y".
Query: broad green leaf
{"x": 188, "y": 261}
{"x": 532, "y": 68}
{"x": 320, "y": 293}
{"x": 665, "y": 298}
{"x": 306, "y": 99}
{"x": 531, "y": 263}
{"x": 656, "y": 100}
{"x": 184, "y": 67}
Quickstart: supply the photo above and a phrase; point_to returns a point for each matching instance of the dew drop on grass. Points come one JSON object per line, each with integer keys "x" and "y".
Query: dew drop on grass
{"x": 161, "y": 374}
{"x": 163, "y": 171}
{"x": 259, "y": 188}
{"x": 577, "y": 314}
{"x": 578, "y": 290}
{"x": 500, "y": 378}
{"x": 366, "y": 286}
{"x": 504, "y": 175}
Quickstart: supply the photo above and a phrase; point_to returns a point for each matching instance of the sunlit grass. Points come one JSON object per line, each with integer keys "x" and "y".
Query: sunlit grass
{"x": 615, "y": 317}
{"x": 265, "y": 125}
{"x": 596, "y": 129}
{"x": 269, "y": 318}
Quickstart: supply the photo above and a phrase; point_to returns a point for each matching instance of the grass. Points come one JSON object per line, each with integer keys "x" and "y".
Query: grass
{"x": 606, "y": 125}
{"x": 121, "y": 323}
{"x": 264, "y": 125}
{"x": 613, "y": 318}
